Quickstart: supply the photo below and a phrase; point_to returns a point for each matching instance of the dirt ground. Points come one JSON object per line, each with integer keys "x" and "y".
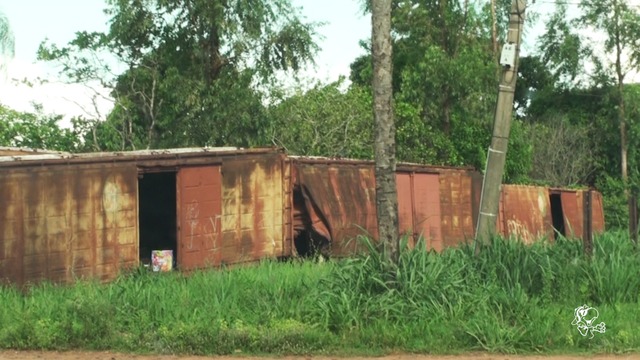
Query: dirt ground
{"x": 24, "y": 355}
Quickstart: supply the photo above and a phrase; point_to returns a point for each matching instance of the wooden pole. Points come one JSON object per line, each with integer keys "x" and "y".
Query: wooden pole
{"x": 587, "y": 227}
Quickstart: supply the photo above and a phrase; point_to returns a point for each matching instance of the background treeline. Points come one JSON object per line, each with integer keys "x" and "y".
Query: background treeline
{"x": 207, "y": 73}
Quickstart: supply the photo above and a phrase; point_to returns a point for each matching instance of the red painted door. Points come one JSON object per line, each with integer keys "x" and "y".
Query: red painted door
{"x": 419, "y": 213}
{"x": 199, "y": 213}
{"x": 426, "y": 207}
{"x": 405, "y": 205}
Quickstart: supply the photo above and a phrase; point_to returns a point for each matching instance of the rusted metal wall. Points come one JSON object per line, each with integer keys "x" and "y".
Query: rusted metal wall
{"x": 199, "y": 211}
{"x": 252, "y": 222}
{"x": 419, "y": 208}
{"x": 66, "y": 216}
{"x": 340, "y": 200}
{"x": 598, "y": 225}
{"x": 457, "y": 204}
{"x": 61, "y": 223}
{"x": 289, "y": 211}
{"x": 525, "y": 213}
{"x": 573, "y": 211}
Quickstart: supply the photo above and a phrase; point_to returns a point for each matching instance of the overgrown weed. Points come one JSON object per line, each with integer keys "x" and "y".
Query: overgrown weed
{"x": 511, "y": 298}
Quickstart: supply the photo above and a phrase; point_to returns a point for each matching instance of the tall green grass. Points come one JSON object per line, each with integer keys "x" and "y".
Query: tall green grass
{"x": 511, "y": 298}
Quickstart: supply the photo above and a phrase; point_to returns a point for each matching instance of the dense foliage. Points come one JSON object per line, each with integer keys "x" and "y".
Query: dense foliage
{"x": 192, "y": 69}
{"x": 204, "y": 73}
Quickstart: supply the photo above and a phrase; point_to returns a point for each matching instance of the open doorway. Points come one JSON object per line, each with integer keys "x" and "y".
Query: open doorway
{"x": 157, "y": 214}
{"x": 308, "y": 242}
{"x": 557, "y": 215}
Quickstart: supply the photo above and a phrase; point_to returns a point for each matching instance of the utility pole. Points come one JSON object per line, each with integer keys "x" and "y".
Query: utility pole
{"x": 497, "y": 154}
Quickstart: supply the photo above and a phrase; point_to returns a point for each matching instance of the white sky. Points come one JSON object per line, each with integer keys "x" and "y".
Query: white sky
{"x": 34, "y": 20}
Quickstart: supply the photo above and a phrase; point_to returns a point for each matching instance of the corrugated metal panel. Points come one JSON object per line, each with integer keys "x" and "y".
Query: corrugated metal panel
{"x": 341, "y": 202}
{"x": 426, "y": 198}
{"x": 526, "y": 212}
{"x": 63, "y": 223}
{"x": 456, "y": 204}
{"x": 252, "y": 214}
{"x": 573, "y": 213}
{"x": 405, "y": 204}
{"x": 199, "y": 213}
{"x": 419, "y": 208}
{"x": 598, "y": 226}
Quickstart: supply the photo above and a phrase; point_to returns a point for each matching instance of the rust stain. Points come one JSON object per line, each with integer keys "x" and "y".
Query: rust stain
{"x": 525, "y": 213}
{"x": 252, "y": 208}
{"x": 597, "y": 213}
{"x": 573, "y": 211}
{"x": 426, "y": 211}
{"x": 338, "y": 210}
{"x": 405, "y": 205}
{"x": 457, "y": 206}
{"x": 53, "y": 235}
{"x": 339, "y": 201}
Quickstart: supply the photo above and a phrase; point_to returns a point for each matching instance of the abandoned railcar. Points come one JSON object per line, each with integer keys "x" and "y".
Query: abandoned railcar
{"x": 68, "y": 216}
{"x": 91, "y": 215}
{"x": 334, "y": 201}
{"x": 531, "y": 212}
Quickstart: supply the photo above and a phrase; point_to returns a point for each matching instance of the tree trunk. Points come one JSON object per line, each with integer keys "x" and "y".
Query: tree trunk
{"x": 494, "y": 31}
{"x": 385, "y": 147}
{"x": 623, "y": 125}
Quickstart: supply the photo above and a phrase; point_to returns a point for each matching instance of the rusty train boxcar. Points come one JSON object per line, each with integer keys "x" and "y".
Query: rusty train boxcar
{"x": 532, "y": 212}
{"x": 92, "y": 215}
{"x": 334, "y": 202}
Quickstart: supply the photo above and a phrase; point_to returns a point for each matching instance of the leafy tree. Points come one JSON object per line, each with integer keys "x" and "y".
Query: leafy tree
{"x": 37, "y": 130}
{"x": 7, "y": 42}
{"x": 563, "y": 51}
{"x": 597, "y": 103}
{"x": 534, "y": 80}
{"x": 444, "y": 82}
{"x": 325, "y": 121}
{"x": 621, "y": 25}
{"x": 193, "y": 68}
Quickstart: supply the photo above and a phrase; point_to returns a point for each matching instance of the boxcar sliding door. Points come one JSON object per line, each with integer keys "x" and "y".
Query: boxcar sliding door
{"x": 199, "y": 212}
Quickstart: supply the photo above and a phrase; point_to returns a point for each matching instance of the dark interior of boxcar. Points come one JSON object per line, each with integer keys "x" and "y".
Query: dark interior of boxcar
{"x": 557, "y": 215}
{"x": 307, "y": 241}
{"x": 158, "y": 214}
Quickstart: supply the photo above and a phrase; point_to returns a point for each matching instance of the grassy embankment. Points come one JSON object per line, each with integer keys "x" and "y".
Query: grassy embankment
{"x": 511, "y": 298}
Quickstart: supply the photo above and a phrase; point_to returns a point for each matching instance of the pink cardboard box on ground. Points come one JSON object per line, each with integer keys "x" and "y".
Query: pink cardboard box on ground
{"x": 162, "y": 260}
